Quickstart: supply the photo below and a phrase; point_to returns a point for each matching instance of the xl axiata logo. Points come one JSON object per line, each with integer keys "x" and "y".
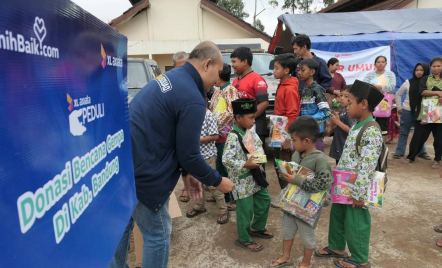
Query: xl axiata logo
{"x": 31, "y": 45}
{"x": 110, "y": 60}
{"x": 82, "y": 113}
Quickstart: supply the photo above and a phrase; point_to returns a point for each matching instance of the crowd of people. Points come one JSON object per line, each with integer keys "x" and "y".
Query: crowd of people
{"x": 206, "y": 143}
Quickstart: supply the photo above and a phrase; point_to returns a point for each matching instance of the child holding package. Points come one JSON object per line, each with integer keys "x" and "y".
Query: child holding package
{"x": 252, "y": 201}
{"x": 351, "y": 224}
{"x": 287, "y": 102}
{"x": 313, "y": 101}
{"x": 209, "y": 134}
{"x": 343, "y": 124}
{"x": 304, "y": 132}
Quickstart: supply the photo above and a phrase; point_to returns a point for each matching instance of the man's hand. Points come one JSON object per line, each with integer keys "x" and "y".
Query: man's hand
{"x": 193, "y": 187}
{"x": 286, "y": 145}
{"x": 250, "y": 165}
{"x": 356, "y": 203}
{"x": 335, "y": 118}
{"x": 225, "y": 186}
{"x": 399, "y": 112}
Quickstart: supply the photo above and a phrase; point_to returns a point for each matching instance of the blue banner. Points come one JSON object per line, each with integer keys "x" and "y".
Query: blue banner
{"x": 66, "y": 175}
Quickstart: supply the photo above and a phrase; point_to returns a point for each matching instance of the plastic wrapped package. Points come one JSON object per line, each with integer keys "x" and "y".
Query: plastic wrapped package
{"x": 431, "y": 111}
{"x": 278, "y": 134}
{"x": 259, "y": 156}
{"x": 343, "y": 187}
{"x": 297, "y": 202}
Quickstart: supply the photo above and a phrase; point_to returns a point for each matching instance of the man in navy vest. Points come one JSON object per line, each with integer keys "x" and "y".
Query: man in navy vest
{"x": 166, "y": 118}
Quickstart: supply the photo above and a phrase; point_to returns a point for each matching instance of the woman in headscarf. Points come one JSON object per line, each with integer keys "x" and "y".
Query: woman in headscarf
{"x": 408, "y": 110}
{"x": 430, "y": 87}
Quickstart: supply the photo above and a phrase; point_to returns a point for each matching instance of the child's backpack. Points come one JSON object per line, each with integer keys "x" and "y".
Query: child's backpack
{"x": 382, "y": 161}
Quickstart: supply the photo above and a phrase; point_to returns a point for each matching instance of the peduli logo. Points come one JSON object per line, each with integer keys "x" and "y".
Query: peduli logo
{"x": 79, "y": 117}
{"x": 32, "y": 45}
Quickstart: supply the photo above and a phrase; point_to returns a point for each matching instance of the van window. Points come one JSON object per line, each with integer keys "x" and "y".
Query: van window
{"x": 156, "y": 70}
{"x": 260, "y": 63}
{"x": 137, "y": 77}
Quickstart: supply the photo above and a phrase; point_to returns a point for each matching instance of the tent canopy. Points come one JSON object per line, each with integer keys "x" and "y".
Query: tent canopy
{"x": 348, "y": 23}
{"x": 415, "y": 35}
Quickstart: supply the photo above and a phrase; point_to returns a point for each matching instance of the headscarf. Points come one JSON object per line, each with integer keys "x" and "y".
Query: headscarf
{"x": 414, "y": 93}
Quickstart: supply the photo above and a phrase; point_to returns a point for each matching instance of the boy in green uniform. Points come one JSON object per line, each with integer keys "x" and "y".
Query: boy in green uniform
{"x": 351, "y": 224}
{"x": 252, "y": 201}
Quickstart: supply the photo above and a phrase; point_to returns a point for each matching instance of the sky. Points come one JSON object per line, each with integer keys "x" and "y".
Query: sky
{"x": 107, "y": 10}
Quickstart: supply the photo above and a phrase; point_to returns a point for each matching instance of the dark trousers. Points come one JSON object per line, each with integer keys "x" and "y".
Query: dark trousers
{"x": 284, "y": 156}
{"x": 420, "y": 136}
{"x": 221, "y": 169}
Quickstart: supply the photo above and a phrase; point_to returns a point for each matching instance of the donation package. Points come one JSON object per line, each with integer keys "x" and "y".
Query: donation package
{"x": 66, "y": 171}
{"x": 258, "y": 155}
{"x": 278, "y": 134}
{"x": 431, "y": 110}
{"x": 383, "y": 109}
{"x": 343, "y": 187}
{"x": 294, "y": 200}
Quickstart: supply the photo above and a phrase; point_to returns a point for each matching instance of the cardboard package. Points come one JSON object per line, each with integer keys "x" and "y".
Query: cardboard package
{"x": 175, "y": 212}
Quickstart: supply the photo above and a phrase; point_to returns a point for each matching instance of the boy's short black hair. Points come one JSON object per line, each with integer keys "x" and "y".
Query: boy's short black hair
{"x": 243, "y": 53}
{"x": 287, "y": 60}
{"x": 302, "y": 40}
{"x": 371, "y": 107}
{"x": 311, "y": 64}
{"x": 225, "y": 73}
{"x": 332, "y": 61}
{"x": 305, "y": 127}
{"x": 347, "y": 88}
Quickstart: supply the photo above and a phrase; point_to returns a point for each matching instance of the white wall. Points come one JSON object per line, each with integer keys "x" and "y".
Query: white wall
{"x": 169, "y": 26}
{"x": 136, "y": 28}
{"x": 425, "y": 4}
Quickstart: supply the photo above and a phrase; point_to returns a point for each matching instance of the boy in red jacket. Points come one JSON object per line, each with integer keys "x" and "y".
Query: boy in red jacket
{"x": 287, "y": 102}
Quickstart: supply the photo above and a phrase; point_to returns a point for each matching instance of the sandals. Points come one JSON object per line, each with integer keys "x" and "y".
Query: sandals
{"x": 195, "y": 213}
{"x": 281, "y": 264}
{"x": 184, "y": 198}
{"x": 300, "y": 266}
{"x": 222, "y": 215}
{"x": 261, "y": 234}
{"x": 245, "y": 245}
{"x": 424, "y": 156}
{"x": 438, "y": 229}
{"x": 230, "y": 208}
{"x": 438, "y": 242}
{"x": 406, "y": 161}
{"x": 435, "y": 165}
{"x": 397, "y": 156}
{"x": 331, "y": 254}
{"x": 347, "y": 260}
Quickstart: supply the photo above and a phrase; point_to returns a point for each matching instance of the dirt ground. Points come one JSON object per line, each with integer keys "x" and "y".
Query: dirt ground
{"x": 402, "y": 232}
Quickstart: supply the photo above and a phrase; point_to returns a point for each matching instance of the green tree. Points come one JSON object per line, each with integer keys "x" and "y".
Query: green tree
{"x": 328, "y": 2}
{"x": 259, "y": 25}
{"x": 236, "y": 7}
{"x": 305, "y": 6}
